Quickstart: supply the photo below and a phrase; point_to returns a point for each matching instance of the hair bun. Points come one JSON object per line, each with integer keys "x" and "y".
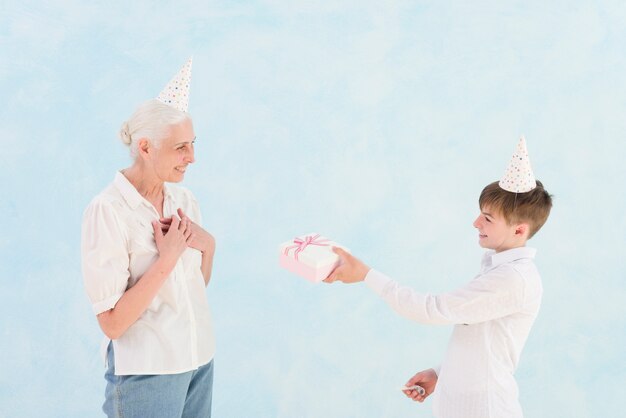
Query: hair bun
{"x": 125, "y": 133}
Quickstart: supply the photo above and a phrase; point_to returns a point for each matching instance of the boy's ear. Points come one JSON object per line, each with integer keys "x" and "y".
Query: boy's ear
{"x": 522, "y": 229}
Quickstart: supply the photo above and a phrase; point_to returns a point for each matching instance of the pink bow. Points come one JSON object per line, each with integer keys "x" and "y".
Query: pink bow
{"x": 301, "y": 244}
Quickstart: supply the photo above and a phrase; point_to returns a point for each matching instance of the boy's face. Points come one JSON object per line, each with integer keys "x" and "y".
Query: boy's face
{"x": 496, "y": 234}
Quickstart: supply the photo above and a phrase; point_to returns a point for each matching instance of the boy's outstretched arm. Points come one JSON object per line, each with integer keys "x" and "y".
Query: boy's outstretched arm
{"x": 492, "y": 295}
{"x": 351, "y": 269}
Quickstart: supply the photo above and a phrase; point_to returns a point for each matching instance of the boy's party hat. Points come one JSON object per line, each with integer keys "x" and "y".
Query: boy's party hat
{"x": 176, "y": 92}
{"x": 519, "y": 177}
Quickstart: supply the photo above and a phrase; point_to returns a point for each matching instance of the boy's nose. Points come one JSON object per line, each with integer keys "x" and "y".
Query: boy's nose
{"x": 475, "y": 223}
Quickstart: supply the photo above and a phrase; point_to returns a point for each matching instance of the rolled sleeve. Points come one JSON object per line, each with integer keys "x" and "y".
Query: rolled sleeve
{"x": 104, "y": 254}
{"x": 105, "y": 305}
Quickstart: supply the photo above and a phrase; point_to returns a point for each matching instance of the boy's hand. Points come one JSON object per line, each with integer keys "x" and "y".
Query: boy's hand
{"x": 426, "y": 379}
{"x": 350, "y": 269}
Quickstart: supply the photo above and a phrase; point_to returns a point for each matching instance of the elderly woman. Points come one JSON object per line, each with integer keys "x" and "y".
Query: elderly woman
{"x": 146, "y": 262}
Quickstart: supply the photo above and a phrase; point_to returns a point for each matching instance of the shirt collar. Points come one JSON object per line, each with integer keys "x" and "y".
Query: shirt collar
{"x": 512, "y": 255}
{"x": 131, "y": 195}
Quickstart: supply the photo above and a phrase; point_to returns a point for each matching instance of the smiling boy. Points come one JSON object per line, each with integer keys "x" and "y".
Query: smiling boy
{"x": 492, "y": 314}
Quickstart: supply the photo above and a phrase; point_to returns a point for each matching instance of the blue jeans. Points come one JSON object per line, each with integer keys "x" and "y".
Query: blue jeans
{"x": 182, "y": 395}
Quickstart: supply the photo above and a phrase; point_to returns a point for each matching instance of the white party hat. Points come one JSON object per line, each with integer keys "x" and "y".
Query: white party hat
{"x": 176, "y": 92}
{"x": 519, "y": 177}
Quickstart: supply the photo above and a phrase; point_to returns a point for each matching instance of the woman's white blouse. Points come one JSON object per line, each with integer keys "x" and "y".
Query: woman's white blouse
{"x": 174, "y": 334}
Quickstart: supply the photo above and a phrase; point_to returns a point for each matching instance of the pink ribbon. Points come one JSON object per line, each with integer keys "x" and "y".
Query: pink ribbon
{"x": 301, "y": 244}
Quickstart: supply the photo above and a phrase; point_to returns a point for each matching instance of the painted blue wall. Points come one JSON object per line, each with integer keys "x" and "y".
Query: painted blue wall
{"x": 374, "y": 123}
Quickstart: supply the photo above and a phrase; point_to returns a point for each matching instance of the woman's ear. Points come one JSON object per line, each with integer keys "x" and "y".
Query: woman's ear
{"x": 143, "y": 146}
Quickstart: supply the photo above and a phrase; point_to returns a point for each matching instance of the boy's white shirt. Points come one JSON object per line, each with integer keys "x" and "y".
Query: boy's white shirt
{"x": 492, "y": 316}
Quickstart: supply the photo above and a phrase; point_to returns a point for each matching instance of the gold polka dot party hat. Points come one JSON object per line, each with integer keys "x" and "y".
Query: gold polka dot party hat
{"x": 176, "y": 92}
{"x": 519, "y": 177}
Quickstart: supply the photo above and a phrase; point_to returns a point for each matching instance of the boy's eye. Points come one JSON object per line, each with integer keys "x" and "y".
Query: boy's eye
{"x": 487, "y": 219}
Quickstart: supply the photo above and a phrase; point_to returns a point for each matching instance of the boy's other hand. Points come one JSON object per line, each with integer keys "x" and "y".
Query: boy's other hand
{"x": 350, "y": 269}
{"x": 426, "y": 379}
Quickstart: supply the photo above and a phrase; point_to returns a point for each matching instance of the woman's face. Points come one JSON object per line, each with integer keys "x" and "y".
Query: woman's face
{"x": 172, "y": 157}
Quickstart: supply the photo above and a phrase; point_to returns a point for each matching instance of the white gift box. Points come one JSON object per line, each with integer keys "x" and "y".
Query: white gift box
{"x": 310, "y": 256}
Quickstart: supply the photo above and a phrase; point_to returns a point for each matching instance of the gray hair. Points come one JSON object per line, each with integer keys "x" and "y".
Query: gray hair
{"x": 151, "y": 120}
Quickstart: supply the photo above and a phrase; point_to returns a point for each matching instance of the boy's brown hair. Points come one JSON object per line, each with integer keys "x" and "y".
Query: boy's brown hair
{"x": 531, "y": 207}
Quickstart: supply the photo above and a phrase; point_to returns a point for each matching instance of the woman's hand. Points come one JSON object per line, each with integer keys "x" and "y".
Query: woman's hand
{"x": 174, "y": 241}
{"x": 201, "y": 240}
{"x": 426, "y": 379}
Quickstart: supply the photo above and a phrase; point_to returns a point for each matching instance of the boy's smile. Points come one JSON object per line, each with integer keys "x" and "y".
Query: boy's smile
{"x": 496, "y": 234}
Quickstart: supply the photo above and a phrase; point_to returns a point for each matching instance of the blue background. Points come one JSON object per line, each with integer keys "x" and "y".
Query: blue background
{"x": 375, "y": 123}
